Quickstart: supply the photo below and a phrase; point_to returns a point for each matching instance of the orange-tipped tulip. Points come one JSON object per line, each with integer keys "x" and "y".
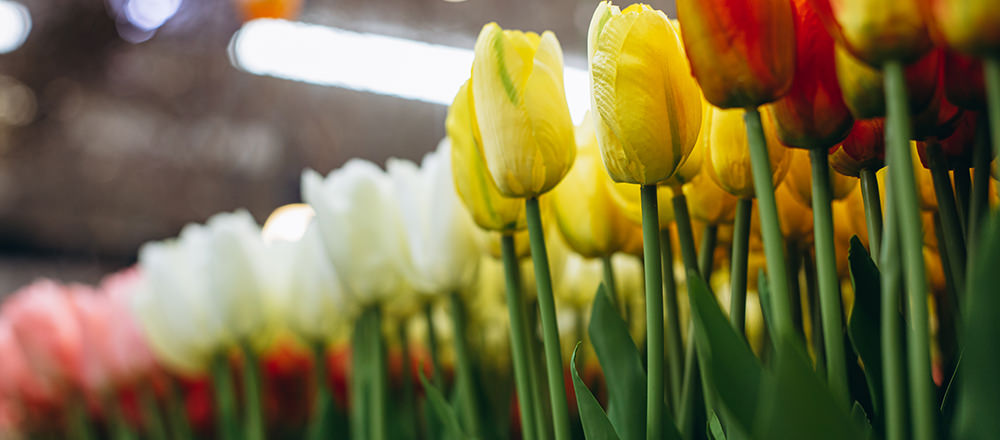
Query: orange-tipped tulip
{"x": 812, "y": 114}
{"x": 863, "y": 148}
{"x": 877, "y": 31}
{"x": 864, "y": 87}
{"x": 968, "y": 26}
{"x": 742, "y": 52}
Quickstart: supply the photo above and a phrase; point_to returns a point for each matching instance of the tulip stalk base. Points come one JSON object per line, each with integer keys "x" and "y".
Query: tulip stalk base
{"x": 550, "y": 327}
{"x": 829, "y": 283}
{"x": 469, "y": 410}
{"x": 675, "y": 347}
{"x": 907, "y": 208}
{"x": 738, "y": 269}
{"x": 873, "y": 210}
{"x": 654, "y": 312}
{"x": 378, "y": 370}
{"x": 323, "y": 401}
{"x": 518, "y": 337}
{"x": 892, "y": 357}
{"x": 253, "y": 419}
{"x": 225, "y": 403}
{"x": 609, "y": 283}
{"x": 979, "y": 203}
{"x": 954, "y": 242}
{"x": 767, "y": 209}
{"x": 151, "y": 416}
{"x": 432, "y": 345}
{"x": 78, "y": 426}
{"x": 180, "y": 426}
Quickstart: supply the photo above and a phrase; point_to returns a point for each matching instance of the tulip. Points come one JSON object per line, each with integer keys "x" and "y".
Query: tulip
{"x": 940, "y": 116}
{"x": 521, "y": 110}
{"x": 709, "y": 203}
{"x": 19, "y": 381}
{"x": 812, "y": 114}
{"x": 968, "y": 26}
{"x": 876, "y": 33}
{"x": 313, "y": 300}
{"x": 476, "y": 188}
{"x": 128, "y": 355}
{"x": 627, "y": 198}
{"x": 957, "y": 146}
{"x": 647, "y": 105}
{"x": 584, "y": 205}
{"x": 963, "y": 81}
{"x": 863, "y": 86}
{"x": 799, "y": 180}
{"x": 729, "y": 155}
{"x": 864, "y": 148}
{"x": 797, "y": 224}
{"x": 742, "y": 52}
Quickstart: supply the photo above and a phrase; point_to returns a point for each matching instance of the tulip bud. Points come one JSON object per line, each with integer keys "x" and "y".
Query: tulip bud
{"x": 863, "y": 148}
{"x": 812, "y": 114}
{"x": 520, "y": 106}
{"x": 647, "y": 104}
{"x": 863, "y": 86}
{"x": 729, "y": 154}
{"x": 796, "y": 218}
{"x": 958, "y": 146}
{"x": 627, "y": 198}
{"x": 582, "y": 203}
{"x": 963, "y": 81}
{"x": 799, "y": 179}
{"x": 707, "y": 201}
{"x": 968, "y": 26}
{"x": 742, "y": 52}
{"x": 476, "y": 188}
{"x": 877, "y": 32}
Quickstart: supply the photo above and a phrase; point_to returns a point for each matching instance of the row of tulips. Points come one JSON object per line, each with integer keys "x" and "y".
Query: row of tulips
{"x": 834, "y": 156}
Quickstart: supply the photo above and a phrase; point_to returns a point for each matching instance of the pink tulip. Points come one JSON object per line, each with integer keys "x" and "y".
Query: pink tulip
{"x": 18, "y": 382}
{"x": 125, "y": 349}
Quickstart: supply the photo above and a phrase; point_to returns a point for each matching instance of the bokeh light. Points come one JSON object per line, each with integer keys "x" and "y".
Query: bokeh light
{"x": 15, "y": 24}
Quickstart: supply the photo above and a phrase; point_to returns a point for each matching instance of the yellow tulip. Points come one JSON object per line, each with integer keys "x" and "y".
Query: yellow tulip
{"x": 848, "y": 221}
{"x": 692, "y": 166}
{"x": 877, "y": 32}
{"x": 728, "y": 152}
{"x": 647, "y": 103}
{"x": 582, "y": 203}
{"x": 627, "y": 198}
{"x": 796, "y": 218}
{"x": 799, "y": 178}
{"x": 520, "y": 102}
{"x": 925, "y": 183}
{"x": 522, "y": 247}
{"x": 707, "y": 201}
{"x": 489, "y": 208}
{"x": 969, "y": 26}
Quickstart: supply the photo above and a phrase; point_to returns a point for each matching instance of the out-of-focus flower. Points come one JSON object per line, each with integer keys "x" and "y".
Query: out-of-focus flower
{"x": 442, "y": 239}
{"x": 582, "y": 204}
{"x": 647, "y": 104}
{"x": 312, "y": 303}
{"x": 925, "y": 184}
{"x": 863, "y": 148}
{"x": 707, "y": 201}
{"x": 863, "y": 86}
{"x": 812, "y": 114}
{"x": 742, "y": 52}
{"x": 963, "y": 81}
{"x": 628, "y": 199}
{"x": 362, "y": 229}
{"x": 580, "y": 278}
{"x": 877, "y": 32}
{"x": 799, "y": 179}
{"x": 19, "y": 382}
{"x": 968, "y": 26}
{"x": 283, "y": 9}
{"x": 940, "y": 116}
{"x": 958, "y": 146}
{"x": 796, "y": 218}
{"x": 728, "y": 152}
{"x": 476, "y": 188}
{"x": 46, "y": 326}
{"x": 848, "y": 221}
{"x": 128, "y": 356}
{"x": 520, "y": 106}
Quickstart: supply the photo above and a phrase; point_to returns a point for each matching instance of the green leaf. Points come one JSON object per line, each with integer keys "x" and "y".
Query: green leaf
{"x": 978, "y": 382}
{"x": 732, "y": 369}
{"x": 865, "y": 326}
{"x": 596, "y": 425}
{"x": 445, "y": 413}
{"x": 715, "y": 428}
{"x": 795, "y": 404}
{"x": 622, "y": 366}
{"x": 765, "y": 298}
{"x": 861, "y": 417}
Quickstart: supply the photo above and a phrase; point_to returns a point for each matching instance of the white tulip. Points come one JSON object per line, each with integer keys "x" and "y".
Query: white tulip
{"x": 361, "y": 229}
{"x": 312, "y": 298}
{"x": 443, "y": 242}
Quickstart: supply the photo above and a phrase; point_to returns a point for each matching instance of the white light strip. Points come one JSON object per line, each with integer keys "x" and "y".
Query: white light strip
{"x": 368, "y": 62}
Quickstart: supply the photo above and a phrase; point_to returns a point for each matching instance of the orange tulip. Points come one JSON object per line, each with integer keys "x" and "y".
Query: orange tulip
{"x": 813, "y": 113}
{"x": 963, "y": 81}
{"x": 864, "y": 87}
{"x": 877, "y": 32}
{"x": 968, "y": 26}
{"x": 863, "y": 148}
{"x": 742, "y": 52}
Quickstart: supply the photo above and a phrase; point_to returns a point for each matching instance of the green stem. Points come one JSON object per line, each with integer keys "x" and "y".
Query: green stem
{"x": 360, "y": 380}
{"x": 254, "y": 421}
{"x": 816, "y": 333}
{"x": 991, "y": 76}
{"x": 180, "y": 426}
{"x": 437, "y": 377}
{"x": 609, "y": 282}
{"x": 536, "y": 364}
{"x": 322, "y": 399}
{"x": 225, "y": 403}
{"x": 829, "y": 282}
{"x": 518, "y": 337}
{"x": 692, "y": 379}
{"x": 767, "y": 209}
{"x": 654, "y": 312}
{"x": 692, "y": 386}
{"x": 675, "y": 347}
{"x": 380, "y": 379}
{"x": 469, "y": 411}
{"x": 738, "y": 270}
{"x": 409, "y": 404}
{"x": 963, "y": 189}
{"x": 119, "y": 424}
{"x": 79, "y": 425}
{"x": 873, "y": 210}
{"x": 151, "y": 416}
{"x": 792, "y": 250}
{"x": 685, "y": 234}
{"x": 911, "y": 234}
{"x": 954, "y": 243}
{"x": 706, "y": 252}
{"x": 979, "y": 205}
{"x": 892, "y": 356}
{"x": 550, "y": 327}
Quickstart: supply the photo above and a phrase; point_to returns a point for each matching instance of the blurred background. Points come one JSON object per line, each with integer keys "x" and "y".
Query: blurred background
{"x": 122, "y": 120}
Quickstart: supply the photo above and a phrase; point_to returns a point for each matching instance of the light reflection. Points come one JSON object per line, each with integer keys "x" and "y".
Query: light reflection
{"x": 368, "y": 62}
{"x": 15, "y": 24}
{"x": 149, "y": 15}
{"x": 287, "y": 223}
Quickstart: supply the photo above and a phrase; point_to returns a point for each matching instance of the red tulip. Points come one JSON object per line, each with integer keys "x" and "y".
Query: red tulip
{"x": 957, "y": 146}
{"x": 812, "y": 114}
{"x": 939, "y": 118}
{"x": 863, "y": 148}
{"x": 963, "y": 81}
